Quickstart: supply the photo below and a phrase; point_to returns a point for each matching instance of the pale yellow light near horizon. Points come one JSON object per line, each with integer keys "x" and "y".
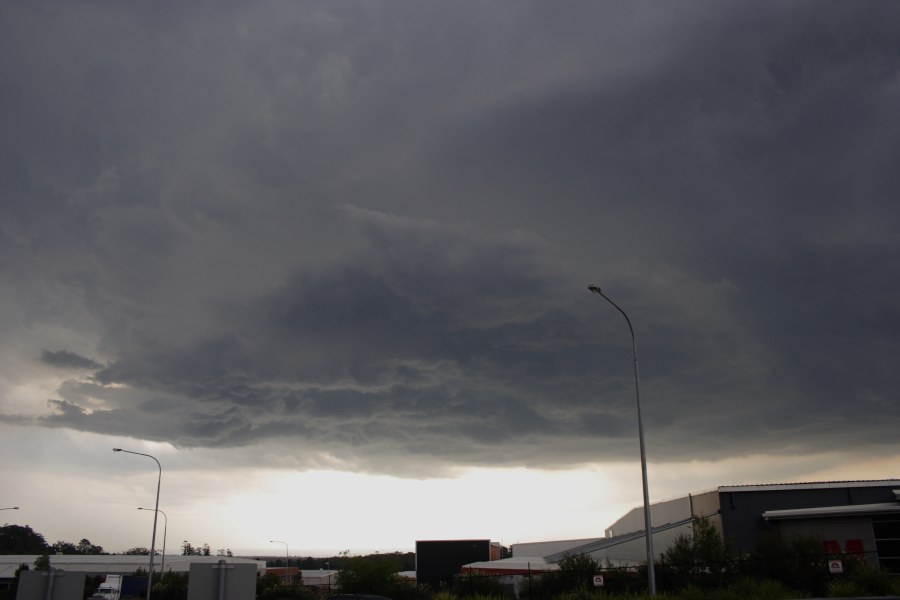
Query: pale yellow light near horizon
{"x": 66, "y": 494}
{"x": 320, "y": 511}
{"x": 323, "y": 510}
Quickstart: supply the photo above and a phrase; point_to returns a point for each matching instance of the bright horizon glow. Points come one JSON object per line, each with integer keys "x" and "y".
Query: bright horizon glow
{"x": 322, "y": 513}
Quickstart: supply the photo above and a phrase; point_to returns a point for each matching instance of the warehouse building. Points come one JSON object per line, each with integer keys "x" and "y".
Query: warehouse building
{"x": 860, "y": 518}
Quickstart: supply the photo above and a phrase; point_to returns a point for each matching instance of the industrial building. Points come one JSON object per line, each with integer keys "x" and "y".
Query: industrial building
{"x": 117, "y": 564}
{"x": 438, "y": 562}
{"x": 859, "y": 518}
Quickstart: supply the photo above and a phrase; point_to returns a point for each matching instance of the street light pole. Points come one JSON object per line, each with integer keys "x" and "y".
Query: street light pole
{"x": 287, "y": 557}
{"x": 155, "y": 515}
{"x": 648, "y": 528}
{"x": 162, "y": 564}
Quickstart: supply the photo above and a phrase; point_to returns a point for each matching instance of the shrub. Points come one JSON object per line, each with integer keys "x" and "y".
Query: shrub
{"x": 581, "y": 594}
{"x": 873, "y": 581}
{"x": 765, "y": 589}
{"x": 798, "y": 562}
{"x": 576, "y": 573}
{"x": 842, "y": 588}
{"x": 700, "y": 560}
{"x": 477, "y": 587}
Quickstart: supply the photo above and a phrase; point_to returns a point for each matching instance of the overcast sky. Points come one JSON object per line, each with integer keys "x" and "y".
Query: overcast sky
{"x": 280, "y": 241}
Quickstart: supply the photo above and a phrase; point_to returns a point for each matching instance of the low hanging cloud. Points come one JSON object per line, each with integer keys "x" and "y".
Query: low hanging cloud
{"x": 68, "y": 360}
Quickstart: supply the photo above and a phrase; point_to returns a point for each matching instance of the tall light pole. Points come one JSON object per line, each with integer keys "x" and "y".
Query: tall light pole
{"x": 648, "y": 528}
{"x": 162, "y": 563}
{"x": 155, "y": 515}
{"x": 287, "y": 557}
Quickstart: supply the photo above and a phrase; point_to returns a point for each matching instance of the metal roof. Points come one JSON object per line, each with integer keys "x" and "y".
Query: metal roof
{"x": 847, "y": 510}
{"x": 609, "y": 542}
{"x": 511, "y": 566}
{"x": 97, "y": 564}
{"x": 816, "y": 485}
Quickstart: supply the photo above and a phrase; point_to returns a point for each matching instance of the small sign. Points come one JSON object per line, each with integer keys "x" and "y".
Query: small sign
{"x": 598, "y": 580}
{"x": 835, "y": 567}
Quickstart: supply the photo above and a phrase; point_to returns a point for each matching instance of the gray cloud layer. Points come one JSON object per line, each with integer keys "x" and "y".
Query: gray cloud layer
{"x": 365, "y": 232}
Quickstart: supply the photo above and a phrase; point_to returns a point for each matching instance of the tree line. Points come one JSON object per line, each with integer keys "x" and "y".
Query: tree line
{"x": 22, "y": 539}
{"x": 188, "y": 549}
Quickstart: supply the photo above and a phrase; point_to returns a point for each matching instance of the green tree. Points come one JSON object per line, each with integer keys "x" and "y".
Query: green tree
{"x": 21, "y": 539}
{"x": 701, "y": 560}
{"x": 375, "y": 574}
{"x": 42, "y": 562}
{"x": 61, "y": 547}
{"x": 267, "y": 581}
{"x": 288, "y": 593}
{"x": 82, "y": 547}
{"x": 477, "y": 586}
{"x": 137, "y": 551}
{"x": 86, "y": 547}
{"x": 798, "y": 562}
{"x": 576, "y": 574}
{"x": 171, "y": 586}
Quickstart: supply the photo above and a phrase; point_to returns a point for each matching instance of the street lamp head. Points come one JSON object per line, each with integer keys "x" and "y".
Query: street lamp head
{"x": 117, "y": 449}
{"x": 594, "y": 289}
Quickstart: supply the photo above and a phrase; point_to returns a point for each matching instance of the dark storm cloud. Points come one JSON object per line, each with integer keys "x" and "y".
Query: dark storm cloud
{"x": 366, "y": 232}
{"x": 68, "y": 360}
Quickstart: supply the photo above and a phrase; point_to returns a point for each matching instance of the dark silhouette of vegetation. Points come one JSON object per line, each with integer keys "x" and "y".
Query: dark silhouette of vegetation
{"x": 189, "y": 550}
{"x": 22, "y": 539}
{"x": 171, "y": 586}
{"x": 267, "y": 582}
{"x": 476, "y": 586}
{"x": 700, "y": 560}
{"x": 295, "y": 592}
{"x": 798, "y": 562}
{"x": 83, "y": 547}
{"x": 374, "y": 574}
{"x": 576, "y": 574}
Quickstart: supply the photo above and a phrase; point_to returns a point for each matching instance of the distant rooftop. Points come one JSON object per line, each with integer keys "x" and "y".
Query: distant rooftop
{"x": 813, "y": 485}
{"x": 116, "y": 563}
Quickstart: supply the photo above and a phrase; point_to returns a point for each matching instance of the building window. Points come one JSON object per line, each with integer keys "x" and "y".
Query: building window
{"x": 887, "y": 541}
